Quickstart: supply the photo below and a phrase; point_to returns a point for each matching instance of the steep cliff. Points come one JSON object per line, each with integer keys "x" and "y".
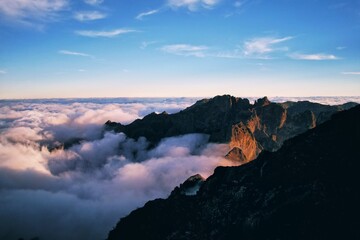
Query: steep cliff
{"x": 247, "y": 128}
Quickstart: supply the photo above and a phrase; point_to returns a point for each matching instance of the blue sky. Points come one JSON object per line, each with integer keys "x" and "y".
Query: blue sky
{"x": 175, "y": 48}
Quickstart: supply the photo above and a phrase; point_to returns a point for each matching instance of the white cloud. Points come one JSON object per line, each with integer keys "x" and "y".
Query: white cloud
{"x": 93, "y": 2}
{"x": 185, "y": 50}
{"x": 351, "y": 73}
{"x": 66, "y": 52}
{"x": 192, "y": 5}
{"x": 95, "y": 181}
{"x": 3, "y": 71}
{"x": 27, "y": 11}
{"x": 313, "y": 57}
{"x": 322, "y": 100}
{"x": 144, "y": 14}
{"x": 145, "y": 44}
{"x": 89, "y": 16}
{"x": 260, "y": 47}
{"x": 109, "y": 34}
{"x": 340, "y": 48}
{"x": 239, "y": 4}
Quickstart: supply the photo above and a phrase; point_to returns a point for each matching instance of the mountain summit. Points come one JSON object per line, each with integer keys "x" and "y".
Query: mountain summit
{"x": 309, "y": 189}
{"x": 247, "y": 128}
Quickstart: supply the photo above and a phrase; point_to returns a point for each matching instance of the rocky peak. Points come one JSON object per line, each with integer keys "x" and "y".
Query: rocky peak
{"x": 234, "y": 121}
{"x": 236, "y": 155}
{"x": 221, "y": 103}
{"x": 262, "y": 102}
{"x": 190, "y": 187}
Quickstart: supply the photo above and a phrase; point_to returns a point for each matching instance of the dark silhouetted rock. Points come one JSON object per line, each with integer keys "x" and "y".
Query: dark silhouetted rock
{"x": 190, "y": 187}
{"x": 227, "y": 119}
{"x": 309, "y": 189}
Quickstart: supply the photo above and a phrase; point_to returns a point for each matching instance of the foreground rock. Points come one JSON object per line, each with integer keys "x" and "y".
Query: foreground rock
{"x": 247, "y": 128}
{"x": 309, "y": 189}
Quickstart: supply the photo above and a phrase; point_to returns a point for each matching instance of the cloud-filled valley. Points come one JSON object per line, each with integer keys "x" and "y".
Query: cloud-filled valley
{"x": 80, "y": 191}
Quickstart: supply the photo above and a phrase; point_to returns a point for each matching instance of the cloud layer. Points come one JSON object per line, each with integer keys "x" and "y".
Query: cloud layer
{"x": 79, "y": 192}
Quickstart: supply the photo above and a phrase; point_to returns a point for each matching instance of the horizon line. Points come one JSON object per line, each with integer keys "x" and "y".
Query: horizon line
{"x": 173, "y": 97}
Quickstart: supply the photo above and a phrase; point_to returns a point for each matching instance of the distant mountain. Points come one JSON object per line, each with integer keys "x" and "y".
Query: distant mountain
{"x": 309, "y": 189}
{"x": 247, "y": 128}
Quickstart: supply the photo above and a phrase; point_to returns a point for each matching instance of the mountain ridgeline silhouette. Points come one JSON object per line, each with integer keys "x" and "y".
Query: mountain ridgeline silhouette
{"x": 247, "y": 128}
{"x": 308, "y": 189}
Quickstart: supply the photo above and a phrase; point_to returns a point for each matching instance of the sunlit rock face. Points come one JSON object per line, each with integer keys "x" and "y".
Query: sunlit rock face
{"x": 308, "y": 189}
{"x": 249, "y": 128}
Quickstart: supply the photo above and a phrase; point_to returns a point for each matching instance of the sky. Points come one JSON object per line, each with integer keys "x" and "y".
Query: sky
{"x": 179, "y": 48}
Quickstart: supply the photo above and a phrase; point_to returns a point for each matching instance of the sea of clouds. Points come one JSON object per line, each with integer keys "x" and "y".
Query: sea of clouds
{"x": 80, "y": 192}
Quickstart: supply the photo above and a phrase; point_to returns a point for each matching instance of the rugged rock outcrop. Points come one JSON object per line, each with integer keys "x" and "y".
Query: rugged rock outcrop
{"x": 309, "y": 189}
{"x": 249, "y": 128}
{"x": 190, "y": 187}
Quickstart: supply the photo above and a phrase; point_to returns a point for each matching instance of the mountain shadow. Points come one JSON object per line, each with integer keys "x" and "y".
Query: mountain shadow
{"x": 308, "y": 189}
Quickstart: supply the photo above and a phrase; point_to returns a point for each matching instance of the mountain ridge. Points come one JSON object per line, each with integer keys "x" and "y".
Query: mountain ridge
{"x": 247, "y": 128}
{"x": 308, "y": 189}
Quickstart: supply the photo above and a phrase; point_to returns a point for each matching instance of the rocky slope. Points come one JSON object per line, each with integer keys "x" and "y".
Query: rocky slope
{"x": 309, "y": 189}
{"x": 247, "y": 128}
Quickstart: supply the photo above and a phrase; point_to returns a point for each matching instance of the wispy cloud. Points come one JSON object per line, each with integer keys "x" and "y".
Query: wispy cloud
{"x": 313, "y": 57}
{"x": 351, "y": 73}
{"x": 30, "y": 11}
{"x": 193, "y": 5}
{"x": 185, "y": 50}
{"x": 145, "y": 44}
{"x": 238, "y": 8}
{"x": 239, "y": 4}
{"x": 66, "y": 52}
{"x": 340, "y": 48}
{"x": 144, "y": 14}
{"x": 89, "y": 16}
{"x": 2, "y": 71}
{"x": 228, "y": 54}
{"x": 261, "y": 47}
{"x": 108, "y": 34}
{"x": 93, "y": 2}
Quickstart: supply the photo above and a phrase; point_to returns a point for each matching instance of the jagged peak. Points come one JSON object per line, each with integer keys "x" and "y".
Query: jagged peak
{"x": 262, "y": 102}
{"x": 237, "y": 155}
{"x": 223, "y": 101}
